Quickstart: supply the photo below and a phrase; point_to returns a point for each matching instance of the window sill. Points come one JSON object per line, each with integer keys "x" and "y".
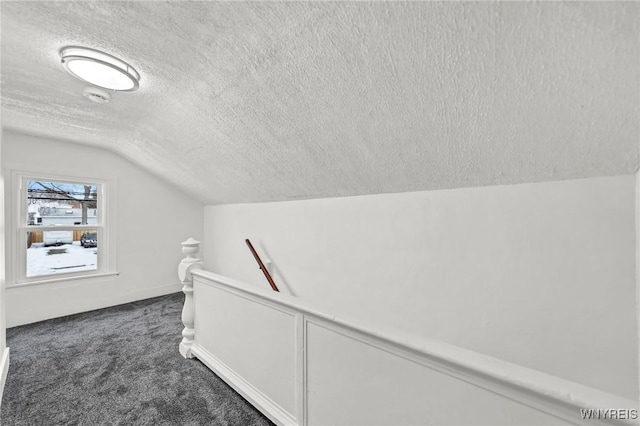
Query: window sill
{"x": 61, "y": 279}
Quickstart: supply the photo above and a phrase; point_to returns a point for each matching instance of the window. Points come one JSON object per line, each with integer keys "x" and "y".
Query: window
{"x": 61, "y": 229}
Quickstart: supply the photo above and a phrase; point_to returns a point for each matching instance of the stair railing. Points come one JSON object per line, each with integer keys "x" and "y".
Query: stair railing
{"x": 262, "y": 267}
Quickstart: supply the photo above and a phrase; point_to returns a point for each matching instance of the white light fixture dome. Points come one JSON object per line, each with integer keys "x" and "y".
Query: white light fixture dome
{"x": 99, "y": 68}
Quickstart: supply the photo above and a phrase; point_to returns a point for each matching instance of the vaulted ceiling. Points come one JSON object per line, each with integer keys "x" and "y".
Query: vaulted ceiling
{"x": 263, "y": 101}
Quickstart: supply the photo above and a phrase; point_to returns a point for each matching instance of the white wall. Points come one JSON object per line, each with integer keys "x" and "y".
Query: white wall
{"x": 638, "y": 264}
{"x": 542, "y": 275}
{"x": 4, "y": 356}
{"x": 150, "y": 221}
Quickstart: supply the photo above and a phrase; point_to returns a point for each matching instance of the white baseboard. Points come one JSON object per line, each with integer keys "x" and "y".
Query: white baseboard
{"x": 115, "y": 299}
{"x": 273, "y": 411}
{"x": 4, "y": 369}
{"x": 148, "y": 293}
{"x": 142, "y": 294}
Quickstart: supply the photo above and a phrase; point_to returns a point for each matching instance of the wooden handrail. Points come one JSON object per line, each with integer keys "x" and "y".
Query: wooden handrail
{"x": 264, "y": 269}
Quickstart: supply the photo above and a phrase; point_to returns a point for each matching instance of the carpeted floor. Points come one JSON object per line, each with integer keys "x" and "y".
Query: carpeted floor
{"x": 115, "y": 366}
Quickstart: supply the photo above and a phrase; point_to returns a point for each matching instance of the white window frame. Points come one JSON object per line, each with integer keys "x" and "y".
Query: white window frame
{"x": 106, "y": 239}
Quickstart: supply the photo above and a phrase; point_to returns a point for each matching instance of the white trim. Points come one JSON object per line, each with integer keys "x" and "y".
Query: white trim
{"x": 93, "y": 304}
{"x": 269, "y": 408}
{"x": 107, "y": 264}
{"x": 549, "y": 394}
{"x": 148, "y": 293}
{"x": 301, "y": 369}
{"x": 134, "y": 296}
{"x": 62, "y": 277}
{"x": 4, "y": 369}
{"x": 637, "y": 220}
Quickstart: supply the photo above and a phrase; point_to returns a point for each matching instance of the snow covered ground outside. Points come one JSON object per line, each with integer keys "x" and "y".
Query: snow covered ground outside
{"x": 61, "y": 259}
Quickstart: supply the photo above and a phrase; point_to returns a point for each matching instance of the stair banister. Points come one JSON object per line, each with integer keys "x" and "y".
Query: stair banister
{"x": 190, "y": 249}
{"x": 262, "y": 267}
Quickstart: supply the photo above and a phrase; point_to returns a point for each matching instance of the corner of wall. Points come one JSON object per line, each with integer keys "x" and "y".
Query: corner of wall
{"x": 4, "y": 369}
{"x": 4, "y": 351}
{"x": 638, "y": 268}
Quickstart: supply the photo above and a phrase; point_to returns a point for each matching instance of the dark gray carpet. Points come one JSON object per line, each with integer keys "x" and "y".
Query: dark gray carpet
{"x": 115, "y": 366}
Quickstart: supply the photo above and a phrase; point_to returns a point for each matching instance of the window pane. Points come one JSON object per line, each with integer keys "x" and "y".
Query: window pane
{"x": 59, "y": 252}
{"x": 59, "y": 203}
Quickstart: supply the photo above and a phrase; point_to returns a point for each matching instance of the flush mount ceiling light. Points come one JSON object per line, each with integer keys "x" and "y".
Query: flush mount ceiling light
{"x": 99, "y": 68}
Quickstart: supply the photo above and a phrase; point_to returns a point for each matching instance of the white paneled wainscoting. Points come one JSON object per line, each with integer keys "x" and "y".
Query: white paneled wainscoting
{"x": 301, "y": 366}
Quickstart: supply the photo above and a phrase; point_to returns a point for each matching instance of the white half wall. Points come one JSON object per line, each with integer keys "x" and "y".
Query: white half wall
{"x": 541, "y": 275}
{"x": 151, "y": 219}
{"x": 316, "y": 370}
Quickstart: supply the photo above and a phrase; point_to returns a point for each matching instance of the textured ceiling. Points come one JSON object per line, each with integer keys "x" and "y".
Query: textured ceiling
{"x": 262, "y": 101}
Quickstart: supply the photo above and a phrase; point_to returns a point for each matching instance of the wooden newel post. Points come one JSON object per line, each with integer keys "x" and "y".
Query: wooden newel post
{"x": 190, "y": 249}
